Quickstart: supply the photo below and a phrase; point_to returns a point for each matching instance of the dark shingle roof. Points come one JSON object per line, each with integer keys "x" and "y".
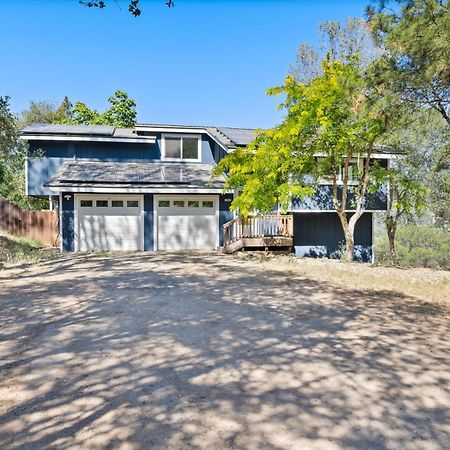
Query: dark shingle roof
{"x": 135, "y": 174}
{"x": 239, "y": 136}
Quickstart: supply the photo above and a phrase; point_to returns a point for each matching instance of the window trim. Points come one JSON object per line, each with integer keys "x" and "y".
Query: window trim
{"x": 181, "y": 136}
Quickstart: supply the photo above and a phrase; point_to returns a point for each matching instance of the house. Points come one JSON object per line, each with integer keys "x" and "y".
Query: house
{"x": 151, "y": 188}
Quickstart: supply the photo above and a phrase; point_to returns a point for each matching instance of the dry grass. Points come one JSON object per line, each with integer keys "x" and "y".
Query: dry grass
{"x": 422, "y": 284}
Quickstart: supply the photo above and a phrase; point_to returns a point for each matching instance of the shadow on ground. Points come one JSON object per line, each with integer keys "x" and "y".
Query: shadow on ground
{"x": 201, "y": 351}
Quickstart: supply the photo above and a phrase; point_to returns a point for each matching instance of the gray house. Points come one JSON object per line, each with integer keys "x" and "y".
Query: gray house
{"x": 151, "y": 188}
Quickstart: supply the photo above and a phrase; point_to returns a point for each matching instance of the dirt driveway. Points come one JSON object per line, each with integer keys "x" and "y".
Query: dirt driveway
{"x": 201, "y": 351}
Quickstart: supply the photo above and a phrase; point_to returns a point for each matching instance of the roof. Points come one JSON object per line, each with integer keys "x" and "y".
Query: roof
{"x": 154, "y": 174}
{"x": 229, "y": 137}
{"x": 239, "y": 136}
{"x": 43, "y": 131}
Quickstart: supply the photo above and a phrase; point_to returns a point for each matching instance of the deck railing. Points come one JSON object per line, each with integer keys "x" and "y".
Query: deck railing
{"x": 269, "y": 225}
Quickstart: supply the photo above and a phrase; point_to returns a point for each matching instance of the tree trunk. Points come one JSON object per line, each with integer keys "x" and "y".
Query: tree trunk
{"x": 349, "y": 247}
{"x": 349, "y": 234}
{"x": 391, "y": 228}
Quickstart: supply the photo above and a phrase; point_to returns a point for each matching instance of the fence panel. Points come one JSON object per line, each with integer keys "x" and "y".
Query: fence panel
{"x": 20, "y": 222}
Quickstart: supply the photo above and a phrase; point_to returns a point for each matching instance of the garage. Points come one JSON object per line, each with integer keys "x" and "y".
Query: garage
{"x": 107, "y": 223}
{"x": 187, "y": 222}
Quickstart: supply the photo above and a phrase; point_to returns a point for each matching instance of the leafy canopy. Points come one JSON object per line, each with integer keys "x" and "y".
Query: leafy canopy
{"x": 330, "y": 115}
{"x": 416, "y": 60}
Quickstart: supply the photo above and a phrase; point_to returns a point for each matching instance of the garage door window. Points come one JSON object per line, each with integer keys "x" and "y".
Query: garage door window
{"x": 193, "y": 204}
{"x": 86, "y": 203}
{"x": 101, "y": 203}
{"x": 132, "y": 203}
{"x": 117, "y": 203}
{"x": 208, "y": 204}
{"x": 178, "y": 203}
{"x": 164, "y": 203}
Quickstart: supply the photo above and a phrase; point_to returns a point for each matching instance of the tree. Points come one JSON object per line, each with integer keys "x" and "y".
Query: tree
{"x": 332, "y": 115}
{"x": 122, "y": 112}
{"x": 416, "y": 59}
{"x": 133, "y": 5}
{"x": 8, "y": 137}
{"x": 12, "y": 160}
{"x": 338, "y": 43}
{"x": 47, "y": 112}
{"x": 407, "y": 198}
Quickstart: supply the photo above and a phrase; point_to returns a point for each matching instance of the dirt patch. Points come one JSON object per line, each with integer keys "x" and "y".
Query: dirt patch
{"x": 201, "y": 351}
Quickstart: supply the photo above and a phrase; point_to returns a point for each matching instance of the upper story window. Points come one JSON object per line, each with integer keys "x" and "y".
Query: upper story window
{"x": 186, "y": 147}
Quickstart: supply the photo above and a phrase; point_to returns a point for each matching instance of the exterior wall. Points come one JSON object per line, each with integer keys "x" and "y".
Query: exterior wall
{"x": 225, "y": 215}
{"x": 68, "y": 220}
{"x": 323, "y": 200}
{"x": 149, "y": 244}
{"x": 67, "y": 225}
{"x": 53, "y": 153}
{"x": 320, "y": 234}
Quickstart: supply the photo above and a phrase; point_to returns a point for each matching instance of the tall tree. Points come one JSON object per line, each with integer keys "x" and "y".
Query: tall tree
{"x": 334, "y": 116}
{"x": 47, "y": 112}
{"x": 121, "y": 113}
{"x": 416, "y": 59}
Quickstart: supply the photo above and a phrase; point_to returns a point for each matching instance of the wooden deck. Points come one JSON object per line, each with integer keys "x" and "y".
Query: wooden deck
{"x": 268, "y": 232}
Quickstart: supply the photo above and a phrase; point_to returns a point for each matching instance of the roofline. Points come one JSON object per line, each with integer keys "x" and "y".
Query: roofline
{"x": 90, "y": 138}
{"x": 183, "y": 129}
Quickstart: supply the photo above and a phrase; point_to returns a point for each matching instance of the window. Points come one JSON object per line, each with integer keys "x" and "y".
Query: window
{"x": 132, "y": 203}
{"x": 208, "y": 204}
{"x": 178, "y": 203}
{"x": 101, "y": 203}
{"x": 86, "y": 203}
{"x": 117, "y": 203}
{"x": 164, "y": 203}
{"x": 181, "y": 147}
{"x": 193, "y": 204}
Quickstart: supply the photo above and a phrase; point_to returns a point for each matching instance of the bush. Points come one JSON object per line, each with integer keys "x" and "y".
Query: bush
{"x": 417, "y": 246}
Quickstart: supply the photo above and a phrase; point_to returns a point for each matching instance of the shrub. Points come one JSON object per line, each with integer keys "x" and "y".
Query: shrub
{"x": 417, "y": 246}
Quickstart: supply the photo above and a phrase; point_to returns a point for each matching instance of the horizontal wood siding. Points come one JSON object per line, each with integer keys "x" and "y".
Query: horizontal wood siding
{"x": 320, "y": 234}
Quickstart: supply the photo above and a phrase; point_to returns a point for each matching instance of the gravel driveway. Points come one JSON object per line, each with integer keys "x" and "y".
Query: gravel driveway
{"x": 201, "y": 351}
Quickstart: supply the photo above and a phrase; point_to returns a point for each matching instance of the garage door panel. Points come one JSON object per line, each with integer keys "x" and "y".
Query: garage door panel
{"x": 109, "y": 228}
{"x": 187, "y": 228}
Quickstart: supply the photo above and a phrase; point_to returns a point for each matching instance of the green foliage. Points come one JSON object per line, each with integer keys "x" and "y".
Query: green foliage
{"x": 417, "y": 246}
{"x": 12, "y": 161}
{"x": 122, "y": 112}
{"x": 339, "y": 42}
{"x": 8, "y": 136}
{"x": 440, "y": 179}
{"x": 47, "y": 112}
{"x": 416, "y": 61}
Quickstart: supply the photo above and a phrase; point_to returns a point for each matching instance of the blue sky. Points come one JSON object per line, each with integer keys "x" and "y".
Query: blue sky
{"x": 200, "y": 63}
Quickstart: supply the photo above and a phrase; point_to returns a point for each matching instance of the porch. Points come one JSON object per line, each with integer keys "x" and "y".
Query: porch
{"x": 266, "y": 232}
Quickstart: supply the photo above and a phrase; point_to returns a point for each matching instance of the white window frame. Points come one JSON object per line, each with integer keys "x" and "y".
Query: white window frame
{"x": 181, "y": 136}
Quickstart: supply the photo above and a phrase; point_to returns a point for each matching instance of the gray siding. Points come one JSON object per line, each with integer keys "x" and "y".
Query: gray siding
{"x": 320, "y": 234}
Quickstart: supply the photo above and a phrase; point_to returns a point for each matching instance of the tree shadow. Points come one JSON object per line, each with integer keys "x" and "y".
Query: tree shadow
{"x": 195, "y": 350}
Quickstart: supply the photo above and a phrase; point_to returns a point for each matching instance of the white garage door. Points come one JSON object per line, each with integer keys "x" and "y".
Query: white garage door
{"x": 109, "y": 222}
{"x": 187, "y": 222}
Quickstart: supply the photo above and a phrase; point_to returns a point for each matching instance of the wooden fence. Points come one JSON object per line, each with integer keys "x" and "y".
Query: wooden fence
{"x": 40, "y": 225}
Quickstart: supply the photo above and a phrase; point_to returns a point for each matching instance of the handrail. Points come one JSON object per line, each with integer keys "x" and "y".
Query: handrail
{"x": 268, "y": 225}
